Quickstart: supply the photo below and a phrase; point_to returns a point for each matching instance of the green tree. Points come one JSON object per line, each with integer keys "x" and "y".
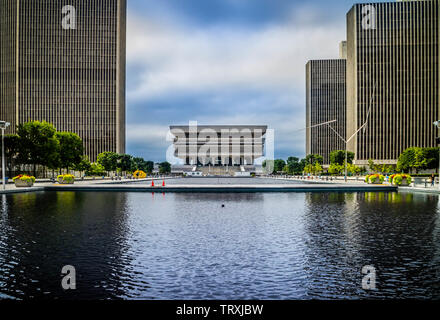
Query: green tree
{"x": 148, "y": 167}
{"x": 71, "y": 149}
{"x": 313, "y": 158}
{"x": 138, "y": 163}
{"x": 278, "y": 165}
{"x": 352, "y": 169}
{"x": 317, "y": 168}
{"x": 141, "y": 164}
{"x": 336, "y": 169}
{"x": 12, "y": 147}
{"x": 432, "y": 158}
{"x": 38, "y": 144}
{"x": 338, "y": 157}
{"x": 295, "y": 166}
{"x": 125, "y": 162}
{"x": 96, "y": 170}
{"x": 164, "y": 167}
{"x": 108, "y": 160}
{"x": 406, "y": 160}
{"x": 84, "y": 165}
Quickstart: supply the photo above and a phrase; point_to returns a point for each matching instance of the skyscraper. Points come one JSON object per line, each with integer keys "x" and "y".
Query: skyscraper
{"x": 64, "y": 62}
{"x": 392, "y": 78}
{"x": 325, "y": 101}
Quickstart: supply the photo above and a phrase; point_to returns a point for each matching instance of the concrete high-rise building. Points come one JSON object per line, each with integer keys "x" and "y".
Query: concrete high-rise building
{"x": 64, "y": 62}
{"x": 392, "y": 78}
{"x": 325, "y": 101}
{"x": 343, "y": 50}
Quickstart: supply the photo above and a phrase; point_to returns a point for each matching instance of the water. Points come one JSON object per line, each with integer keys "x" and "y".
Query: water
{"x": 224, "y": 181}
{"x": 186, "y": 246}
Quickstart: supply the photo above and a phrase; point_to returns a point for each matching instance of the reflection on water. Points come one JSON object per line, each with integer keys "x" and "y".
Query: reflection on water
{"x": 223, "y": 246}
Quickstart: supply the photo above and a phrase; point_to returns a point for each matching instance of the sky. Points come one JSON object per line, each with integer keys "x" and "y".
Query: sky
{"x": 224, "y": 62}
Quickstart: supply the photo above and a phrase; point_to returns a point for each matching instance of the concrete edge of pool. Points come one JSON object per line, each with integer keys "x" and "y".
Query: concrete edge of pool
{"x": 222, "y": 189}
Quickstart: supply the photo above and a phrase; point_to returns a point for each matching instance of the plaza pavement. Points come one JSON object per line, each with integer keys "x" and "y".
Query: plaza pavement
{"x": 209, "y": 184}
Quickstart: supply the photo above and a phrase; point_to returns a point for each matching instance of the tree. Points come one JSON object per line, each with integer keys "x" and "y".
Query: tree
{"x": 335, "y": 169}
{"x": 317, "y": 168}
{"x": 141, "y": 164}
{"x": 164, "y": 167}
{"x": 313, "y": 158}
{"x": 12, "y": 147}
{"x": 108, "y": 160}
{"x": 138, "y": 163}
{"x": 418, "y": 158}
{"x": 71, "y": 149}
{"x": 84, "y": 165}
{"x": 352, "y": 169}
{"x": 295, "y": 166}
{"x": 95, "y": 170}
{"x": 432, "y": 158}
{"x": 148, "y": 167}
{"x": 38, "y": 144}
{"x": 338, "y": 157}
{"x": 278, "y": 165}
{"x": 125, "y": 162}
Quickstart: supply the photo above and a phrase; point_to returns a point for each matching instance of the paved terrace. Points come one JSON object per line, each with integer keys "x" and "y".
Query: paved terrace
{"x": 209, "y": 184}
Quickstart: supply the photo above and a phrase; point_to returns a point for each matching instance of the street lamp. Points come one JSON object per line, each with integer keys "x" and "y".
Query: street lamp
{"x": 437, "y": 124}
{"x": 354, "y": 134}
{"x": 320, "y": 124}
{"x": 3, "y": 126}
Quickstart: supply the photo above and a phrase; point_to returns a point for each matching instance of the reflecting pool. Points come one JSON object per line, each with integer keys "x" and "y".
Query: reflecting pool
{"x": 189, "y": 246}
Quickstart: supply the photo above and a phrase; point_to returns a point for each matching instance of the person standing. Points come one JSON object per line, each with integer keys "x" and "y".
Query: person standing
{"x": 432, "y": 180}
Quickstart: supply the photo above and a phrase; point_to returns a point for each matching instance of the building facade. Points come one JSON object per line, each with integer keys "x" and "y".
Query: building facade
{"x": 72, "y": 77}
{"x": 392, "y": 78}
{"x": 218, "y": 145}
{"x": 325, "y": 101}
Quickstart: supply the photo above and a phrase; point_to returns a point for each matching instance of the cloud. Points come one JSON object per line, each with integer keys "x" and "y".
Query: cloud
{"x": 223, "y": 73}
{"x": 178, "y": 58}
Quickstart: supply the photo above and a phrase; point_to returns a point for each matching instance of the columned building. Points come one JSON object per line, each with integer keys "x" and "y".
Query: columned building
{"x": 392, "y": 78}
{"x": 217, "y": 145}
{"x": 325, "y": 101}
{"x": 64, "y": 62}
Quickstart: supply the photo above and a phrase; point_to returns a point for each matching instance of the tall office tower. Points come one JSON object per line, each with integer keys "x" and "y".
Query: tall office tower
{"x": 64, "y": 62}
{"x": 392, "y": 78}
{"x": 343, "y": 50}
{"x": 325, "y": 101}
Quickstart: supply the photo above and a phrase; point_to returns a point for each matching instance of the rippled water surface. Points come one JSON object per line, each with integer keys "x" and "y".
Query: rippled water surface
{"x": 186, "y": 246}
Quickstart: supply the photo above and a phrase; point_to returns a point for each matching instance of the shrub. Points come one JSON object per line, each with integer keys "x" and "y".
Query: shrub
{"x": 397, "y": 179}
{"x": 24, "y": 177}
{"x": 66, "y": 178}
{"x": 376, "y": 177}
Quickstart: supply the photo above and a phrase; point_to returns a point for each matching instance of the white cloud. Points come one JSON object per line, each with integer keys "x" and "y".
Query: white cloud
{"x": 176, "y": 57}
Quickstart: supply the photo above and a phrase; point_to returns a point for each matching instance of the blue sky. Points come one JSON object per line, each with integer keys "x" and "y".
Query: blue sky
{"x": 224, "y": 62}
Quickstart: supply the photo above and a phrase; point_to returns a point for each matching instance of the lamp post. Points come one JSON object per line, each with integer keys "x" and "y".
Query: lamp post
{"x": 354, "y": 134}
{"x": 437, "y": 124}
{"x": 320, "y": 124}
{"x": 3, "y": 126}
